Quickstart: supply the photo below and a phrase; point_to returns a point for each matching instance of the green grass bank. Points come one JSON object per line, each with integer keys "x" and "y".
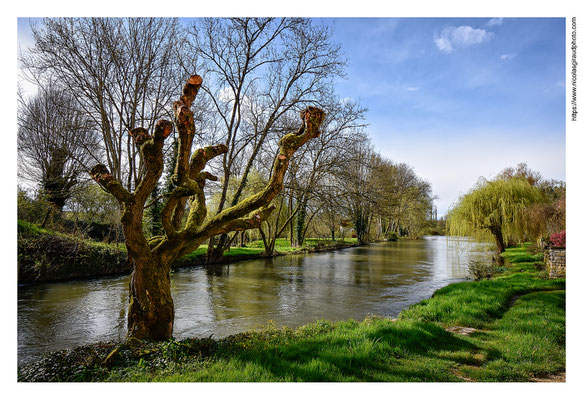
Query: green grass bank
{"x": 255, "y": 249}
{"x": 45, "y": 255}
{"x": 507, "y": 329}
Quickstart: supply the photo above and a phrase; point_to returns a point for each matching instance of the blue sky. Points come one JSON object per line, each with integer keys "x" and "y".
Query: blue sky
{"x": 456, "y": 98}
{"x": 460, "y": 98}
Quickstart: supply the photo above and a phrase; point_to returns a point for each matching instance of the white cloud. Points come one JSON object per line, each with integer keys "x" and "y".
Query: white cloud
{"x": 443, "y": 44}
{"x": 494, "y": 22}
{"x": 452, "y": 38}
{"x": 412, "y": 88}
{"x": 506, "y": 57}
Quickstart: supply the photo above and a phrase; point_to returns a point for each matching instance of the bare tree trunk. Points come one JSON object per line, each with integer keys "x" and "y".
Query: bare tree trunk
{"x": 291, "y": 221}
{"x": 266, "y": 243}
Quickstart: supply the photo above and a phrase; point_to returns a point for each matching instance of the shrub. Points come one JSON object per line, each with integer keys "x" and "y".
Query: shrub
{"x": 392, "y": 237}
{"x": 481, "y": 270}
{"x": 559, "y": 239}
{"x": 34, "y": 210}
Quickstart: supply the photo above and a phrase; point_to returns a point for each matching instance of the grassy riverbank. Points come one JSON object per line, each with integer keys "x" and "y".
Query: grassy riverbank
{"x": 510, "y": 328}
{"x": 45, "y": 255}
{"x": 255, "y": 250}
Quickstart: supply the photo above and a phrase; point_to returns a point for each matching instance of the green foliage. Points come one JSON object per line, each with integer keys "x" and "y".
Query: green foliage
{"x": 481, "y": 270}
{"x": 360, "y": 222}
{"x": 497, "y": 204}
{"x": 392, "y": 237}
{"x": 300, "y": 222}
{"x": 33, "y": 210}
{"x": 153, "y": 213}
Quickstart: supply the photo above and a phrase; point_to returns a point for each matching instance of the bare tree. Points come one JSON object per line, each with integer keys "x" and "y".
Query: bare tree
{"x": 151, "y": 309}
{"x": 323, "y": 158}
{"x": 56, "y": 143}
{"x": 309, "y": 177}
{"x": 405, "y": 200}
{"x": 259, "y": 69}
{"x": 331, "y": 215}
{"x": 359, "y": 199}
{"x": 123, "y": 73}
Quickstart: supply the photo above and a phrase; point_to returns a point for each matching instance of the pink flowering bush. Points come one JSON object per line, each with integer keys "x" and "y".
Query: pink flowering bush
{"x": 558, "y": 239}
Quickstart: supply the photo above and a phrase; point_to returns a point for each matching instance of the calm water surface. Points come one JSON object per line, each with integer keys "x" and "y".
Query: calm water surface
{"x": 380, "y": 279}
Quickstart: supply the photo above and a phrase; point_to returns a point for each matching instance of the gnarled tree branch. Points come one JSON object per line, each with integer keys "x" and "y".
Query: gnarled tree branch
{"x": 103, "y": 177}
{"x": 184, "y": 120}
{"x": 288, "y": 145}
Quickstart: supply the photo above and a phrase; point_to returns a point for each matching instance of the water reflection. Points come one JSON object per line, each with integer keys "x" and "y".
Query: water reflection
{"x": 293, "y": 290}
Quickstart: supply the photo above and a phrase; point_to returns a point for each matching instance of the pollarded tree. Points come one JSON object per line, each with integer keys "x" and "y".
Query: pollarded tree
{"x": 495, "y": 207}
{"x": 151, "y": 309}
{"x": 56, "y": 142}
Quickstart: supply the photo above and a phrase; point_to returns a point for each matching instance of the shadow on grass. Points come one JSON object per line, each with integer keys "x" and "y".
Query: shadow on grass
{"x": 401, "y": 351}
{"x": 529, "y": 340}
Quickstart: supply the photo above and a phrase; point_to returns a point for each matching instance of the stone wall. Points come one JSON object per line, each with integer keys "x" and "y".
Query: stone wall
{"x": 555, "y": 260}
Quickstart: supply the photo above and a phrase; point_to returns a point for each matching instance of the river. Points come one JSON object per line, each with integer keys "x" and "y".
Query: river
{"x": 381, "y": 279}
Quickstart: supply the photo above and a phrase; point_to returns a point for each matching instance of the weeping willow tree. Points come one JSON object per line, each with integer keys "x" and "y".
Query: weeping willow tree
{"x": 493, "y": 208}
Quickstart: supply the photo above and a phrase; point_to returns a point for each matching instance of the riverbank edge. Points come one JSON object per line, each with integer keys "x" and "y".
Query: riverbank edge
{"x": 104, "y": 358}
{"x": 48, "y": 256}
{"x": 185, "y": 262}
{"x": 45, "y": 257}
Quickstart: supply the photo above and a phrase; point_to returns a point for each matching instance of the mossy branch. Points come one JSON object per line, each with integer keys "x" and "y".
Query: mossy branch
{"x": 152, "y": 156}
{"x": 312, "y": 118}
{"x": 184, "y": 120}
{"x": 105, "y": 179}
{"x": 200, "y": 158}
